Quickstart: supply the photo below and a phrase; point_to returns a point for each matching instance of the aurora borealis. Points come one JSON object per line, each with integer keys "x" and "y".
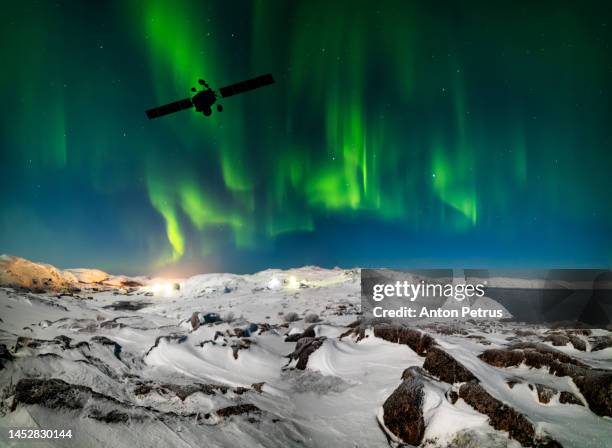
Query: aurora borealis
{"x": 410, "y": 134}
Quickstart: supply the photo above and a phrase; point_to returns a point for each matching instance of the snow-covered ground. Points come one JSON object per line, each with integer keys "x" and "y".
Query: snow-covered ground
{"x": 154, "y": 373}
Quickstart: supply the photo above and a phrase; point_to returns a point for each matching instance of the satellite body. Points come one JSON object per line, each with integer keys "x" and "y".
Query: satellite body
{"x": 205, "y": 99}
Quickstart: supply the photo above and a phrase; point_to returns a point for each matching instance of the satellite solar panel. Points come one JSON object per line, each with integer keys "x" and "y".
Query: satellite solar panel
{"x": 247, "y": 85}
{"x": 169, "y": 108}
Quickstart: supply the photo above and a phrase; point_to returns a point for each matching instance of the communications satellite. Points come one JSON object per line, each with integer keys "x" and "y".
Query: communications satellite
{"x": 205, "y": 99}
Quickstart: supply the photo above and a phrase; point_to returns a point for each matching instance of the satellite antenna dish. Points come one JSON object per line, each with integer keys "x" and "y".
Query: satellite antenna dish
{"x": 204, "y": 99}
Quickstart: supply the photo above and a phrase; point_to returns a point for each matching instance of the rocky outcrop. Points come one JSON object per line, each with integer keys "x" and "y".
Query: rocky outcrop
{"x": 594, "y": 384}
{"x": 54, "y": 394}
{"x": 113, "y": 416}
{"x": 403, "y": 410}
{"x": 5, "y": 356}
{"x": 238, "y": 409}
{"x": 303, "y": 349}
{"x": 418, "y": 341}
{"x": 18, "y": 272}
{"x": 307, "y": 333}
{"x": 601, "y": 343}
{"x": 596, "y": 387}
{"x": 557, "y": 339}
{"x": 545, "y": 393}
{"x": 560, "y": 339}
{"x": 182, "y": 391}
{"x": 502, "y": 417}
{"x": 442, "y": 365}
{"x": 533, "y": 355}
{"x": 566, "y": 397}
{"x": 578, "y": 343}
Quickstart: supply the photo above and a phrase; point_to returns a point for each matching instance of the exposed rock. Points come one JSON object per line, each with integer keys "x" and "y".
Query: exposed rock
{"x": 129, "y": 283}
{"x": 533, "y": 355}
{"x": 54, "y": 394}
{"x": 561, "y": 339}
{"x": 601, "y": 343}
{"x": 502, "y": 417}
{"x": 195, "y": 320}
{"x": 258, "y": 387}
{"x": 198, "y": 319}
{"x": 578, "y": 343}
{"x": 64, "y": 341}
{"x": 240, "y": 344}
{"x": 581, "y": 331}
{"x": 5, "y": 356}
{"x": 180, "y": 338}
{"x": 182, "y": 391}
{"x": 18, "y": 272}
{"x": 596, "y": 387}
{"x": 569, "y": 398}
{"x": 557, "y": 339}
{"x": 108, "y": 342}
{"x": 403, "y": 410}
{"x": 307, "y": 333}
{"x": 545, "y": 393}
{"x": 594, "y": 384}
{"x": 442, "y": 365}
{"x": 525, "y": 333}
{"x": 513, "y": 382}
{"x": 238, "y": 409}
{"x": 415, "y": 339}
{"x": 113, "y": 416}
{"x": 304, "y": 348}
{"x": 126, "y": 305}
{"x": 25, "y": 342}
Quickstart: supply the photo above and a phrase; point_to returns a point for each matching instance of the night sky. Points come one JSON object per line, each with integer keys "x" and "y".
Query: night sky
{"x": 400, "y": 134}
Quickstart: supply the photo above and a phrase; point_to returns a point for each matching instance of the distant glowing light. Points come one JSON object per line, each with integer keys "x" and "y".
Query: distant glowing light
{"x": 292, "y": 283}
{"x": 163, "y": 288}
{"x": 274, "y": 283}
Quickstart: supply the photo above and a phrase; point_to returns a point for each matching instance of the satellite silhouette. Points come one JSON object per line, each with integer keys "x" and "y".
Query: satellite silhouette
{"x": 204, "y": 99}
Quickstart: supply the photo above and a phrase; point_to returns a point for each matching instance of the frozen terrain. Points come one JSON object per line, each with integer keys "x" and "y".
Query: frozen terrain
{"x": 281, "y": 359}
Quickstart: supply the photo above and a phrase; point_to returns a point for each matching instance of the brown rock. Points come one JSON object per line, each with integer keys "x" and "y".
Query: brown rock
{"x": 594, "y": 384}
{"x": 534, "y": 355}
{"x": 502, "y": 417}
{"x": 5, "y": 356}
{"x": 601, "y": 343}
{"x": 442, "y": 365}
{"x": 452, "y": 396}
{"x": 569, "y": 398}
{"x": 307, "y": 333}
{"x": 238, "y": 409}
{"x": 403, "y": 410}
{"x": 557, "y": 339}
{"x": 578, "y": 343}
{"x": 502, "y": 357}
{"x": 545, "y": 393}
{"x": 416, "y": 340}
{"x": 240, "y": 344}
{"x": 195, "y": 320}
{"x": 304, "y": 348}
